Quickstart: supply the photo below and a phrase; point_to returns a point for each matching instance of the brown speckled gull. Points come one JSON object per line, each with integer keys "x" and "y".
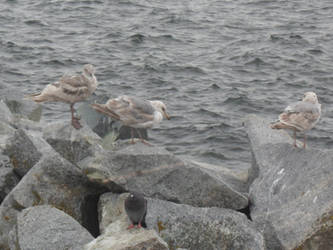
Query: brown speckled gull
{"x": 300, "y": 116}
{"x": 134, "y": 112}
{"x": 70, "y": 89}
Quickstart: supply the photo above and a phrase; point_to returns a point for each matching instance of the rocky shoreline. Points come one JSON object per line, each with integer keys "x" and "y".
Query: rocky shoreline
{"x": 62, "y": 188}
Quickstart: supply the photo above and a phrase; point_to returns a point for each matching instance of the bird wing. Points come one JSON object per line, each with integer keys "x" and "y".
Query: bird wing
{"x": 74, "y": 85}
{"x": 301, "y": 115}
{"x": 131, "y": 110}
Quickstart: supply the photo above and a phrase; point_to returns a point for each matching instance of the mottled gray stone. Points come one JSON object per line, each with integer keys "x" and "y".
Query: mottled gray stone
{"x": 22, "y": 152}
{"x": 21, "y": 106}
{"x": 237, "y": 179}
{"x": 73, "y": 144}
{"x": 5, "y": 115}
{"x": 184, "y": 226}
{"x": 157, "y": 173}
{"x": 54, "y": 181}
{"x": 117, "y": 237}
{"x": 8, "y": 179}
{"x": 292, "y": 198}
{"x": 45, "y": 227}
{"x": 111, "y": 209}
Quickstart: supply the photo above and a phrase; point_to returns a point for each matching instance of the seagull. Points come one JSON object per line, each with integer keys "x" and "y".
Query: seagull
{"x": 300, "y": 116}
{"x": 134, "y": 112}
{"x": 69, "y": 89}
{"x": 136, "y": 209}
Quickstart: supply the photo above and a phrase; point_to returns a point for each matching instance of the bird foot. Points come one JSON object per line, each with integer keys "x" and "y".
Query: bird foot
{"x": 132, "y": 141}
{"x": 139, "y": 226}
{"x": 146, "y": 143}
{"x": 75, "y": 123}
{"x": 130, "y": 226}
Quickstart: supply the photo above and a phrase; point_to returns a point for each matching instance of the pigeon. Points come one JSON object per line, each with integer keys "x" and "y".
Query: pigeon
{"x": 69, "y": 89}
{"x": 136, "y": 209}
{"x": 300, "y": 116}
{"x": 134, "y": 112}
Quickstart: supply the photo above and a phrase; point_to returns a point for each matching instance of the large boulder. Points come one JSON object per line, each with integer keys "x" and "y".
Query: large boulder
{"x": 157, "y": 173}
{"x": 22, "y": 152}
{"x": 6, "y": 130}
{"x": 184, "y": 226}
{"x": 8, "y": 179}
{"x": 117, "y": 237}
{"x": 57, "y": 182}
{"x": 292, "y": 197}
{"x": 5, "y": 115}
{"x": 46, "y": 227}
{"x": 73, "y": 144}
{"x": 20, "y": 105}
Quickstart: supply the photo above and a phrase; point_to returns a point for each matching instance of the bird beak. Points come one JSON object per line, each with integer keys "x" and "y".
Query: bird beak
{"x": 166, "y": 115}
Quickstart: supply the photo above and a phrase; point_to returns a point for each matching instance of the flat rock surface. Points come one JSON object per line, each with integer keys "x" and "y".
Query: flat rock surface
{"x": 117, "y": 237}
{"x": 157, "y": 173}
{"x": 45, "y": 227}
{"x": 71, "y": 143}
{"x": 292, "y": 198}
{"x": 184, "y": 226}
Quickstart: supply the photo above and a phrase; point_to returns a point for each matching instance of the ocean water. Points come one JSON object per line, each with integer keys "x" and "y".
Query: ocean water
{"x": 211, "y": 62}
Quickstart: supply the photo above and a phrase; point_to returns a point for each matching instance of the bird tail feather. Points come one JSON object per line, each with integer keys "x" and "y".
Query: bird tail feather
{"x": 104, "y": 110}
{"x": 278, "y": 125}
{"x": 36, "y": 97}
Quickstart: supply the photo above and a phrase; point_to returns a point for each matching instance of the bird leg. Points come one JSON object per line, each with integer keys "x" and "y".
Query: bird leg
{"x": 304, "y": 144}
{"x": 75, "y": 120}
{"x": 295, "y": 145}
{"x": 143, "y": 140}
{"x": 132, "y": 136}
{"x": 130, "y": 226}
{"x": 139, "y": 225}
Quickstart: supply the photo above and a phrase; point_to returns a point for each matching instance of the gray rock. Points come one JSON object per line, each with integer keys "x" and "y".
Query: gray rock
{"x": 74, "y": 145}
{"x": 292, "y": 198}
{"x": 6, "y": 131}
{"x": 238, "y": 179}
{"x": 157, "y": 173}
{"x": 111, "y": 209}
{"x": 21, "y": 106}
{"x": 54, "y": 181}
{"x": 5, "y": 115}
{"x": 25, "y": 108}
{"x": 117, "y": 237}
{"x": 45, "y": 227}
{"x": 183, "y": 226}
{"x": 8, "y": 179}
{"x": 22, "y": 152}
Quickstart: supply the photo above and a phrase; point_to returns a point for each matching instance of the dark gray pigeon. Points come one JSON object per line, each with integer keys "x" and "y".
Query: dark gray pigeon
{"x": 136, "y": 209}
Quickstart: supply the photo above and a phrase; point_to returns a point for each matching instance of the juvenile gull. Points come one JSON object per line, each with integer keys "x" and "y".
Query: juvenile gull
{"x": 70, "y": 89}
{"x": 133, "y": 112}
{"x": 300, "y": 116}
{"x": 136, "y": 209}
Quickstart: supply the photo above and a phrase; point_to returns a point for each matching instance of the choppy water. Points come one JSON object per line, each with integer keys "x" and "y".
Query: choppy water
{"x": 211, "y": 62}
